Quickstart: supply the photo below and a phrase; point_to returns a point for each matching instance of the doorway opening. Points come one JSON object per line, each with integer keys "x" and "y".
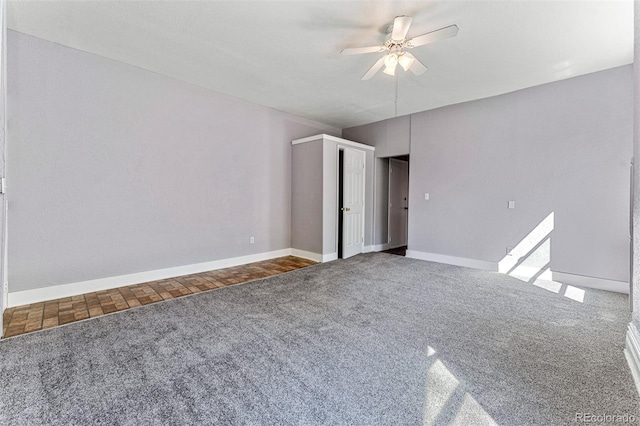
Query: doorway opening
{"x": 398, "y": 209}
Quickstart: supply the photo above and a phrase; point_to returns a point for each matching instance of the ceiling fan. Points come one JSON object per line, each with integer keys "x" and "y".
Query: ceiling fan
{"x": 397, "y": 45}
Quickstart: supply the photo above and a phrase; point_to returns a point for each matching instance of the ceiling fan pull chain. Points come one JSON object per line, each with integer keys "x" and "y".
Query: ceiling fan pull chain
{"x": 396, "y": 103}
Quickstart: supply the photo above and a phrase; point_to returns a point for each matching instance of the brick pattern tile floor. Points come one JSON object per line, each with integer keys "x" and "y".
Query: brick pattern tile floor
{"x": 38, "y": 316}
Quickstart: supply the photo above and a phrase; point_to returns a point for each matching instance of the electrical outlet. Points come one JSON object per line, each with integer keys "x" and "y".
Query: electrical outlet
{"x": 252, "y": 240}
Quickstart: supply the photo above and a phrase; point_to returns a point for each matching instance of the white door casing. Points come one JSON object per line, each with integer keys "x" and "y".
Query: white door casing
{"x": 3, "y": 140}
{"x": 353, "y": 203}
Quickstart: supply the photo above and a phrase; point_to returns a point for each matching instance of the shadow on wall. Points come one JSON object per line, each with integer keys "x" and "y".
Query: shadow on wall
{"x": 446, "y": 400}
{"x": 530, "y": 261}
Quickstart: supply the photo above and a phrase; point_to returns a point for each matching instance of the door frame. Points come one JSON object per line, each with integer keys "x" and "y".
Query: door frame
{"x": 631, "y": 208}
{"x": 364, "y": 194}
{"x": 3, "y": 152}
{"x": 392, "y": 246}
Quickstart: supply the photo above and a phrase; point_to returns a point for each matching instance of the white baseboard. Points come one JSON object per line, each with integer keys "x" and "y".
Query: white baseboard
{"x": 632, "y": 353}
{"x": 66, "y": 290}
{"x": 26, "y": 297}
{"x": 316, "y": 257}
{"x": 591, "y": 282}
{"x": 381, "y": 247}
{"x": 376, "y": 247}
{"x": 561, "y": 277}
{"x": 329, "y": 257}
{"x": 395, "y": 246}
{"x": 453, "y": 260}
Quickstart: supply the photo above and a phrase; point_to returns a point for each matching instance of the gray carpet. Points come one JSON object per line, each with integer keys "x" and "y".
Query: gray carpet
{"x": 376, "y": 339}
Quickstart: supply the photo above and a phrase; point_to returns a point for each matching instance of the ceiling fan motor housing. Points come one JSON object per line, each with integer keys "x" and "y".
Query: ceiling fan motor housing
{"x": 394, "y": 46}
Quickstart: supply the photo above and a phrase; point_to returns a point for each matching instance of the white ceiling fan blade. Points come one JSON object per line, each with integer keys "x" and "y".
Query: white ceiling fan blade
{"x": 359, "y": 50}
{"x": 374, "y": 69}
{"x": 417, "y": 67}
{"x": 400, "y": 27}
{"x": 437, "y": 35}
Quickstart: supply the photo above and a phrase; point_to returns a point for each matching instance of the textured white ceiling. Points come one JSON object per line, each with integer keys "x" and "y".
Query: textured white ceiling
{"x": 285, "y": 55}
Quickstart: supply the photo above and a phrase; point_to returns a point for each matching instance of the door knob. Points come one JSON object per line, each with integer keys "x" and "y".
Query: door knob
{"x": 347, "y": 209}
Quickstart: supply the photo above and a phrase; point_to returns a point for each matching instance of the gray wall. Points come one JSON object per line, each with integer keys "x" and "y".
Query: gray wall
{"x": 330, "y": 198}
{"x": 115, "y": 170}
{"x": 390, "y": 137}
{"x": 636, "y": 155}
{"x": 563, "y": 147}
{"x": 307, "y": 196}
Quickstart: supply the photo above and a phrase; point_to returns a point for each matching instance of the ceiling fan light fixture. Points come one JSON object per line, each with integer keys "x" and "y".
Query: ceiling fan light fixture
{"x": 391, "y": 60}
{"x": 390, "y": 70}
{"x": 405, "y": 62}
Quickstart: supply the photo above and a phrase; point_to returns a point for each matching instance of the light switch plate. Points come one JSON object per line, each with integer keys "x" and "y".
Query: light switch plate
{"x": 426, "y": 195}
{"x": 511, "y": 205}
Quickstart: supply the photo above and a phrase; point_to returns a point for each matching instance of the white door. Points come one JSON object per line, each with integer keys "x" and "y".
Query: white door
{"x": 353, "y": 203}
{"x": 398, "y": 203}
